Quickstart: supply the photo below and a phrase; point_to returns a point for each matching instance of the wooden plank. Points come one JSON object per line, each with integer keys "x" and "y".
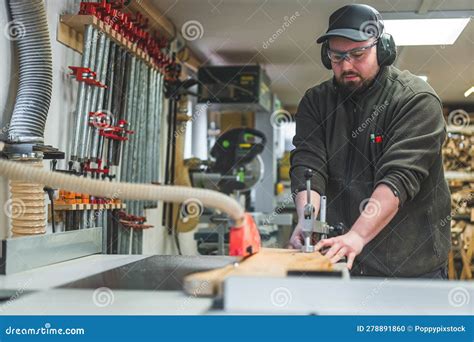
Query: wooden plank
{"x": 457, "y": 175}
{"x": 70, "y": 37}
{"x": 78, "y": 22}
{"x": 270, "y": 262}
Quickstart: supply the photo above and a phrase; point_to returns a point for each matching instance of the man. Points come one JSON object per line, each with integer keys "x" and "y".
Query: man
{"x": 373, "y": 136}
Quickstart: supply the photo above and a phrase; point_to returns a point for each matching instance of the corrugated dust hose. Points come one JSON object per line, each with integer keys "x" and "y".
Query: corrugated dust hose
{"x": 177, "y": 194}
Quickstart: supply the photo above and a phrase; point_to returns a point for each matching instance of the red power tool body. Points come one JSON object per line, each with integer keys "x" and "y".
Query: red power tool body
{"x": 245, "y": 238}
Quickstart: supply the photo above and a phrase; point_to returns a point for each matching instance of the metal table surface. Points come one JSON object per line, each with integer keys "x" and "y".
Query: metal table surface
{"x": 64, "y": 272}
{"x": 108, "y": 285}
{"x": 158, "y": 272}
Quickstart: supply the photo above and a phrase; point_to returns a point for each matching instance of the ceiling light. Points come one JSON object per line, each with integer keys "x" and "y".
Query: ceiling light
{"x": 430, "y": 28}
{"x": 438, "y": 31}
{"x": 469, "y": 91}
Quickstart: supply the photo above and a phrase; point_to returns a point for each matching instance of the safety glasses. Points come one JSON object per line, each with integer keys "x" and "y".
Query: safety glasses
{"x": 356, "y": 54}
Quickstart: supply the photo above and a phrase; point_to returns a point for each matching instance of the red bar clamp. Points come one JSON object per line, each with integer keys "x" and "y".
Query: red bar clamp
{"x": 118, "y": 132}
{"x": 85, "y": 75}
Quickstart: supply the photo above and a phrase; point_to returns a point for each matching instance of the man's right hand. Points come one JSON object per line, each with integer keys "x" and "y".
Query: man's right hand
{"x": 297, "y": 238}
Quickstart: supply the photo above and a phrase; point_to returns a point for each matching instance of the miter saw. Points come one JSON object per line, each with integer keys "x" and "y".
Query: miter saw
{"x": 235, "y": 168}
{"x": 236, "y": 165}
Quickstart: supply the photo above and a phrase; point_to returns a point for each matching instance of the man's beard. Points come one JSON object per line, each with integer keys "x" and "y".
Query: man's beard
{"x": 353, "y": 87}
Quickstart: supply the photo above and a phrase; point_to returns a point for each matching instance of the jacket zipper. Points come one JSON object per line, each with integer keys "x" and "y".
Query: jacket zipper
{"x": 348, "y": 170}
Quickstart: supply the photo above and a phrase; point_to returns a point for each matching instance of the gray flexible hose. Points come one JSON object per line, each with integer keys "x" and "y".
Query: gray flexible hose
{"x": 191, "y": 197}
{"x": 32, "y": 41}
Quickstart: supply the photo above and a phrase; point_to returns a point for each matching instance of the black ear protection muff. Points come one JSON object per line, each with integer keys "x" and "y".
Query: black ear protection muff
{"x": 324, "y": 55}
{"x": 386, "y": 51}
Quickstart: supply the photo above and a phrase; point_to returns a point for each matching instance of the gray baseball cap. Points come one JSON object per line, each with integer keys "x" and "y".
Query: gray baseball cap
{"x": 356, "y": 22}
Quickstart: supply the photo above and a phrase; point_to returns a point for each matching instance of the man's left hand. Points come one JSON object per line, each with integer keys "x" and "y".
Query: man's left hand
{"x": 349, "y": 244}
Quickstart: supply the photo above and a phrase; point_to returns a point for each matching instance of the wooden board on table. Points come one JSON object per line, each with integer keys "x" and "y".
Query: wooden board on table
{"x": 269, "y": 262}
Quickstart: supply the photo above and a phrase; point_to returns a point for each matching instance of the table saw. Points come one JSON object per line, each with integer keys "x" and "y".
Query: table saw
{"x": 153, "y": 285}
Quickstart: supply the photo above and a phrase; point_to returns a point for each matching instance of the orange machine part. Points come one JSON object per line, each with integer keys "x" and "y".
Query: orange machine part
{"x": 244, "y": 239}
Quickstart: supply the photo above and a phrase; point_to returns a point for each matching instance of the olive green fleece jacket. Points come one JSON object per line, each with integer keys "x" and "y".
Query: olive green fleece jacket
{"x": 392, "y": 134}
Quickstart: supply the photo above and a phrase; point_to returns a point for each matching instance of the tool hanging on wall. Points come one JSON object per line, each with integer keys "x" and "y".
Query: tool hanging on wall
{"x": 95, "y": 151}
{"x": 119, "y": 108}
{"x": 174, "y": 89}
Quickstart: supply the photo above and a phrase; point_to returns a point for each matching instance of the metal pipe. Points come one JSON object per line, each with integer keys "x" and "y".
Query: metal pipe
{"x": 117, "y": 145}
{"x": 92, "y": 104}
{"x": 153, "y": 123}
{"x": 144, "y": 141}
{"x": 134, "y": 176}
{"x": 130, "y": 243}
{"x": 159, "y": 129}
{"x": 81, "y": 93}
{"x": 128, "y": 117}
{"x": 159, "y": 116}
{"x": 323, "y": 209}
{"x": 108, "y": 95}
{"x": 92, "y": 151}
{"x": 84, "y": 119}
{"x": 151, "y": 129}
{"x": 133, "y": 120}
